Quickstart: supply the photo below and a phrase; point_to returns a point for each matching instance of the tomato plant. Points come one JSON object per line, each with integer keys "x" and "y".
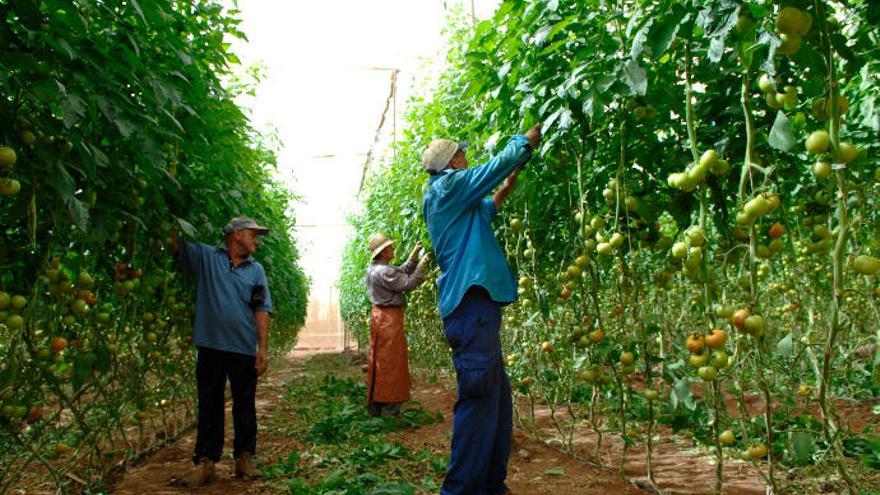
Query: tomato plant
{"x": 117, "y": 127}
{"x": 725, "y": 239}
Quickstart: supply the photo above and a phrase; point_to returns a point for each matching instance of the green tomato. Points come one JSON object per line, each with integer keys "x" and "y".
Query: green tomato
{"x": 15, "y": 322}
{"x": 818, "y": 142}
{"x": 725, "y": 311}
{"x": 757, "y": 206}
{"x": 709, "y": 158}
{"x": 846, "y": 153}
{"x": 679, "y": 250}
{"x": 765, "y": 82}
{"x": 719, "y": 359}
{"x": 18, "y": 302}
{"x": 743, "y": 218}
{"x": 697, "y": 173}
{"x": 866, "y": 265}
{"x": 727, "y": 438}
{"x": 7, "y": 157}
{"x": 754, "y": 324}
{"x": 821, "y": 169}
{"x": 698, "y": 360}
{"x": 516, "y": 225}
{"x": 9, "y": 187}
{"x": 696, "y": 236}
{"x": 708, "y": 373}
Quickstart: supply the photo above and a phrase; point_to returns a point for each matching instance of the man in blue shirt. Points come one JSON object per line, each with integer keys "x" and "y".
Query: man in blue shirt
{"x": 231, "y": 332}
{"x": 475, "y": 283}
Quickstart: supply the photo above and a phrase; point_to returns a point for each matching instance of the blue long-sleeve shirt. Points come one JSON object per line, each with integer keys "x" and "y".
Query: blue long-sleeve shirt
{"x": 457, "y": 213}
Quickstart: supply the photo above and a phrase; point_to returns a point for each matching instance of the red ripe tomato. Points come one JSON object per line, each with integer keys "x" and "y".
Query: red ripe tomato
{"x": 776, "y": 231}
{"x": 58, "y": 344}
{"x": 739, "y": 318}
{"x": 716, "y": 338}
{"x": 695, "y": 343}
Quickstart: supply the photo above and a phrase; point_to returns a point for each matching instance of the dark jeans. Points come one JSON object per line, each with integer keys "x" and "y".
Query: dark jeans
{"x": 482, "y": 424}
{"x": 212, "y": 368}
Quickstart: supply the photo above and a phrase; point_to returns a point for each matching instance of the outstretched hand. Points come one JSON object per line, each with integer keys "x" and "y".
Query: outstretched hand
{"x": 534, "y": 135}
{"x": 414, "y": 255}
{"x": 423, "y": 263}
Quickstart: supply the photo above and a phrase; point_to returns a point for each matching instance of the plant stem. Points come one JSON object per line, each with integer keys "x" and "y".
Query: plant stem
{"x": 829, "y": 429}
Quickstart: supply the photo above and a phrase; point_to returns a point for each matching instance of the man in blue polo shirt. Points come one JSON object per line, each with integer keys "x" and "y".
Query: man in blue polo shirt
{"x": 475, "y": 283}
{"x": 231, "y": 332}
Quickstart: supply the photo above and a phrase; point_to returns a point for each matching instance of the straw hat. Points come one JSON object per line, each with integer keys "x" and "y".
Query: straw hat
{"x": 378, "y": 242}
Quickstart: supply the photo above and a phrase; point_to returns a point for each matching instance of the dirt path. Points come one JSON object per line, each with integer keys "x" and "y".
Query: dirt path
{"x": 533, "y": 466}
{"x": 158, "y": 473}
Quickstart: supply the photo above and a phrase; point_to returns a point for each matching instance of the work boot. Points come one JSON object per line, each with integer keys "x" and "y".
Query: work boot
{"x": 245, "y": 468}
{"x": 201, "y": 473}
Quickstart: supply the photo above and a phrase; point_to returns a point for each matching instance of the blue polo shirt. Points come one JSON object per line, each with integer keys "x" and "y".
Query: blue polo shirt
{"x": 224, "y": 318}
{"x": 457, "y": 213}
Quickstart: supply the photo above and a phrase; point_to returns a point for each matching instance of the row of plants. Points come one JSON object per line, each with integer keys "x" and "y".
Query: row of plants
{"x": 697, "y": 233}
{"x": 118, "y": 126}
{"x": 345, "y": 450}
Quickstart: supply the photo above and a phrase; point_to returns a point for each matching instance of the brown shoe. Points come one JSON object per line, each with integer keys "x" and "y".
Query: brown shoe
{"x": 245, "y": 468}
{"x": 201, "y": 473}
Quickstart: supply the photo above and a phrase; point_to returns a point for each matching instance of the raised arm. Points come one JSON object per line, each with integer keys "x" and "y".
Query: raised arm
{"x": 397, "y": 280}
{"x": 505, "y": 189}
{"x": 188, "y": 255}
{"x": 473, "y": 184}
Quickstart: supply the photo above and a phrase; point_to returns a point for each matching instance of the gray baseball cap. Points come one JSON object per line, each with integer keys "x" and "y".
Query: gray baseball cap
{"x": 239, "y": 223}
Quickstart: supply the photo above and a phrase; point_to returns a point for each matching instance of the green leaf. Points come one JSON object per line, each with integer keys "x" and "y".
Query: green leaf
{"x": 140, "y": 12}
{"x": 78, "y": 212}
{"x": 802, "y": 446}
{"x": 555, "y": 472}
{"x": 187, "y": 227}
{"x": 681, "y": 395}
{"x": 48, "y": 90}
{"x": 82, "y": 368}
{"x": 782, "y": 134}
{"x": 785, "y": 347}
{"x": 28, "y": 12}
{"x": 716, "y": 49}
{"x": 635, "y": 77}
{"x": 73, "y": 109}
{"x": 111, "y": 113}
{"x": 841, "y": 46}
{"x": 664, "y": 33}
{"x": 639, "y": 40}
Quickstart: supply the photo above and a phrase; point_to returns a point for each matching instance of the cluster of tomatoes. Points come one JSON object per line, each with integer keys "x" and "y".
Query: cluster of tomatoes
{"x": 8, "y": 185}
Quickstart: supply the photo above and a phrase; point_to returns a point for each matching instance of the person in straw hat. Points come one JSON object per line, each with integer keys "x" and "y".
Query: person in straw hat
{"x": 388, "y": 363}
{"x": 474, "y": 284}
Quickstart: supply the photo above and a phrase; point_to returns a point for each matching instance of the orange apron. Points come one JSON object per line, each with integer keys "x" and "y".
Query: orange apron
{"x": 388, "y": 365}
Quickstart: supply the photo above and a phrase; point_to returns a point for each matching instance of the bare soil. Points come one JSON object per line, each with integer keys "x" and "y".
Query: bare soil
{"x": 533, "y": 465}
{"x": 537, "y": 464}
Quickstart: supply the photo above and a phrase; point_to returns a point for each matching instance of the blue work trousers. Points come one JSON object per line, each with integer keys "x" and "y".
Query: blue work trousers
{"x": 483, "y": 413}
